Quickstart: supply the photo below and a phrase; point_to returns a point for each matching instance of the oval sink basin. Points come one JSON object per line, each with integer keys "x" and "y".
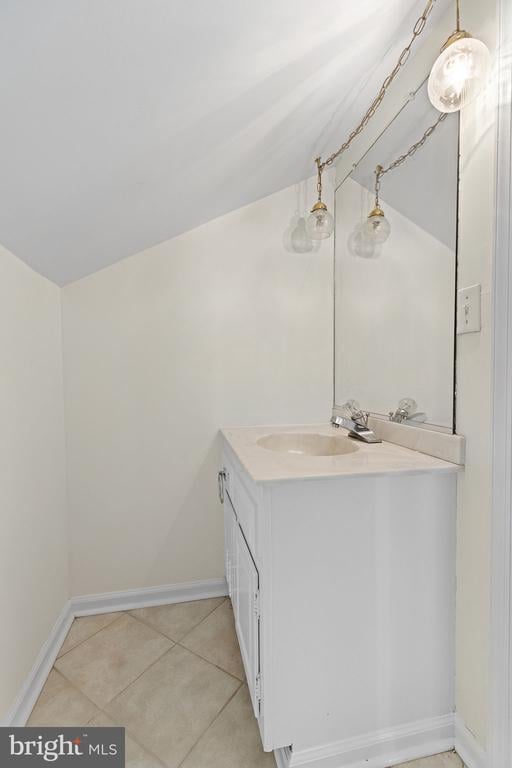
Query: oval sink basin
{"x": 307, "y": 444}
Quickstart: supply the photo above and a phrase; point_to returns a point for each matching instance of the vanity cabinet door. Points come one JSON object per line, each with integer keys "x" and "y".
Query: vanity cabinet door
{"x": 247, "y": 618}
{"x": 230, "y": 549}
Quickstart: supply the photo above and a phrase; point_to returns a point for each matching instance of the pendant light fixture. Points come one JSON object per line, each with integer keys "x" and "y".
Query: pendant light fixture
{"x": 320, "y": 223}
{"x": 460, "y": 71}
{"x": 377, "y": 227}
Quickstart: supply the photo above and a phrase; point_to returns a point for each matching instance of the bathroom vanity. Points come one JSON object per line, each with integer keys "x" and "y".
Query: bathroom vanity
{"x": 340, "y": 556}
{"x": 341, "y": 572}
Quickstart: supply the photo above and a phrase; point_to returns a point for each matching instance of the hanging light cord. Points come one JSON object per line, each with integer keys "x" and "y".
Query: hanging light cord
{"x": 402, "y": 59}
{"x": 380, "y": 171}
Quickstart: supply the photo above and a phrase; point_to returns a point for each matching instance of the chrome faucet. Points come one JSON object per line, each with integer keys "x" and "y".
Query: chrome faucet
{"x": 406, "y": 411}
{"x": 356, "y": 421}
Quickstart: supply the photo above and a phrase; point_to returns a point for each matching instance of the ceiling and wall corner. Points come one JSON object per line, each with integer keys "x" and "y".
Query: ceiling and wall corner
{"x": 126, "y": 123}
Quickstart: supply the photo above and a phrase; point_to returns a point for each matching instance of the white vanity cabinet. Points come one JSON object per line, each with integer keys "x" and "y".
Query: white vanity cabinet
{"x": 343, "y": 592}
{"x": 243, "y": 583}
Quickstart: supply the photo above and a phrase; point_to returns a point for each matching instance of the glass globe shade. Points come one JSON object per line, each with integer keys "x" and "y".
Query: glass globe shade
{"x": 301, "y": 242}
{"x": 377, "y": 228}
{"x": 459, "y": 74}
{"x": 360, "y": 245}
{"x": 319, "y": 224}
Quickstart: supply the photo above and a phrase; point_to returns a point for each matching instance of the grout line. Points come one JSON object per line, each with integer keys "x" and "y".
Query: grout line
{"x": 241, "y": 683}
{"x": 217, "y": 607}
{"x": 130, "y": 734}
{"x": 138, "y": 676}
{"x": 105, "y": 713}
{"x": 148, "y": 626}
{"x": 165, "y": 637}
{"x": 73, "y": 686}
{"x": 151, "y": 626}
{"x": 87, "y": 638}
{"x": 100, "y": 709}
{"x": 219, "y": 713}
{"x": 196, "y": 653}
{"x": 212, "y": 663}
{"x": 126, "y": 686}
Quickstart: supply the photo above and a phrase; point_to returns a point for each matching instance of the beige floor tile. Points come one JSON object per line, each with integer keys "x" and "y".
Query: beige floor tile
{"x": 135, "y": 755}
{"x": 106, "y": 663}
{"x": 233, "y": 739}
{"x": 60, "y": 704}
{"x": 170, "y": 706}
{"x": 443, "y": 760}
{"x": 215, "y": 640}
{"x": 179, "y": 619}
{"x": 84, "y": 627}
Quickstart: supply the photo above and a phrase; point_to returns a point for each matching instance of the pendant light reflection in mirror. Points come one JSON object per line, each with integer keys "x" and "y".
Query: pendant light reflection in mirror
{"x": 376, "y": 229}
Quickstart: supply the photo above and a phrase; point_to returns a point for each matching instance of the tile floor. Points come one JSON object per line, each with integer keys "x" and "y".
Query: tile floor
{"x": 172, "y": 675}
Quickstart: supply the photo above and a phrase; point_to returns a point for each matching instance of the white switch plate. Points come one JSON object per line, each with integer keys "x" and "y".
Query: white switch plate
{"x": 468, "y": 309}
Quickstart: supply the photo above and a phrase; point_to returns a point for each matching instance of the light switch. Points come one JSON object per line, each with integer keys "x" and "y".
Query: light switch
{"x": 468, "y": 309}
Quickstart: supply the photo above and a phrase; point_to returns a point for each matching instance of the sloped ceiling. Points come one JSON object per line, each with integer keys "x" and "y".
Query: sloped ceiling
{"x": 126, "y": 122}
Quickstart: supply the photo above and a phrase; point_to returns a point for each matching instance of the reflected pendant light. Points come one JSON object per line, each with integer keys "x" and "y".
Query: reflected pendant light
{"x": 320, "y": 223}
{"x": 460, "y": 71}
{"x": 376, "y": 226}
{"x": 301, "y": 242}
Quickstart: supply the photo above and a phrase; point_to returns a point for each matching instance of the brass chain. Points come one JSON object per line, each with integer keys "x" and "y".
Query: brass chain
{"x": 402, "y": 59}
{"x": 319, "y": 178}
{"x": 380, "y": 171}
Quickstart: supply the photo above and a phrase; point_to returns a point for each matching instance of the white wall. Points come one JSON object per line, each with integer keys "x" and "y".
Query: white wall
{"x": 474, "y": 359}
{"x": 477, "y": 185}
{"x": 387, "y": 349}
{"x": 33, "y": 544}
{"x": 221, "y": 326}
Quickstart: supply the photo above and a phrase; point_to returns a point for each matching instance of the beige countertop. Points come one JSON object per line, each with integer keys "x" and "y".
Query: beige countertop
{"x": 265, "y": 465}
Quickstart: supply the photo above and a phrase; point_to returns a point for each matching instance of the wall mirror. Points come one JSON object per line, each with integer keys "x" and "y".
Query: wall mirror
{"x": 395, "y": 300}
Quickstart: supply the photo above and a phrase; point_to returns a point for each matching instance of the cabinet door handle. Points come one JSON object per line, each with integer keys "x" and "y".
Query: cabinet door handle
{"x": 220, "y": 484}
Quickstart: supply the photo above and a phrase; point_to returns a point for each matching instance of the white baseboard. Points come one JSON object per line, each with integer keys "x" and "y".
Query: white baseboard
{"x": 36, "y": 678}
{"x": 377, "y": 750}
{"x": 107, "y": 602}
{"x": 86, "y": 605}
{"x": 468, "y": 749}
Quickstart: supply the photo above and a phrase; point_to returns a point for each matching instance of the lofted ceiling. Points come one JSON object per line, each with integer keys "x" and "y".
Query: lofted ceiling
{"x": 126, "y": 122}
